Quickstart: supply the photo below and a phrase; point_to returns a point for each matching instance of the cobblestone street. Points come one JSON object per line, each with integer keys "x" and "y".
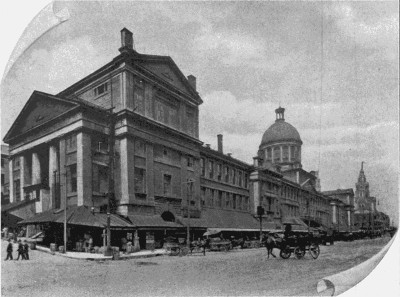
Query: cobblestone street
{"x": 238, "y": 272}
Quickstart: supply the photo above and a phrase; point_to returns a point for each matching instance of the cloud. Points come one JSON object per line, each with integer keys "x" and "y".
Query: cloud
{"x": 380, "y": 32}
{"x": 48, "y": 70}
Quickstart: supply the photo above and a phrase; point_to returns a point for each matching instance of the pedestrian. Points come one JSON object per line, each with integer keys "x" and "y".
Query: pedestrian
{"x": 26, "y": 250}
{"x": 9, "y": 250}
{"x": 20, "y": 251}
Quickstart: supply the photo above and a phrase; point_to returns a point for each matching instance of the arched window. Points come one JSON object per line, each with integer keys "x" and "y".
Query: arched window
{"x": 168, "y": 216}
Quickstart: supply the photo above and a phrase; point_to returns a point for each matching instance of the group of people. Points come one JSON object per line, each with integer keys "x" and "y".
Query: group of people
{"x": 23, "y": 250}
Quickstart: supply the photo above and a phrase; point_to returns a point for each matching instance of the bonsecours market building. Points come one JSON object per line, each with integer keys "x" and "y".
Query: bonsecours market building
{"x": 59, "y": 149}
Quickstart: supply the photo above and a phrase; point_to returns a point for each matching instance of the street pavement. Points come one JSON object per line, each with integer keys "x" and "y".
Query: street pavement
{"x": 234, "y": 273}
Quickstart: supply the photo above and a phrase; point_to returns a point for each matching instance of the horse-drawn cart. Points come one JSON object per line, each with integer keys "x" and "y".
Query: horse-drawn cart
{"x": 298, "y": 244}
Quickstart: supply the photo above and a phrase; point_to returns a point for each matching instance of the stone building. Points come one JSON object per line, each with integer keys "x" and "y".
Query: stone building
{"x": 343, "y": 202}
{"x": 60, "y": 144}
{"x": 141, "y": 110}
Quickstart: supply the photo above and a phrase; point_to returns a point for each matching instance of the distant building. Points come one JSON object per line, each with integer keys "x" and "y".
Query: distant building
{"x": 343, "y": 202}
{"x": 366, "y": 215}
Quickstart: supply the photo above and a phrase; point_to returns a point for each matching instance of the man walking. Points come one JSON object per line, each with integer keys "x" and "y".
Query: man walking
{"x": 26, "y": 250}
{"x": 20, "y": 251}
{"x": 9, "y": 250}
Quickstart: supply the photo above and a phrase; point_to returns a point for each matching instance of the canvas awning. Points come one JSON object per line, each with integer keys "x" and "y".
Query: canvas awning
{"x": 226, "y": 220}
{"x": 153, "y": 222}
{"x": 79, "y": 215}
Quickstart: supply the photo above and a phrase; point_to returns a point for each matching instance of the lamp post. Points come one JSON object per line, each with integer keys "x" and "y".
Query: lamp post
{"x": 260, "y": 213}
{"x": 189, "y": 194}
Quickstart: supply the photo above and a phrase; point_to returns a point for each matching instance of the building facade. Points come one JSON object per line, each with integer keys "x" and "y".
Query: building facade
{"x": 129, "y": 133}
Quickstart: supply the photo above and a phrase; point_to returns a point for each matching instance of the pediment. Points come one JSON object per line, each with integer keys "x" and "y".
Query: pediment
{"x": 170, "y": 73}
{"x": 39, "y": 109}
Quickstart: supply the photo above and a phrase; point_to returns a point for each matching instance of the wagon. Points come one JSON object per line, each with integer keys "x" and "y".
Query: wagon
{"x": 298, "y": 244}
{"x": 218, "y": 244}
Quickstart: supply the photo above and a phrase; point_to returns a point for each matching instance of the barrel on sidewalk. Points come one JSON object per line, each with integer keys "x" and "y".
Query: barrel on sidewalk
{"x": 53, "y": 247}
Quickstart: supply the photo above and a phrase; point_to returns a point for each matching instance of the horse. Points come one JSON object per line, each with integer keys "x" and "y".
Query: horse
{"x": 270, "y": 244}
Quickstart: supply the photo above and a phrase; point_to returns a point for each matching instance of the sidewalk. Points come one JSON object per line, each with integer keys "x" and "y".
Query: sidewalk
{"x": 101, "y": 257}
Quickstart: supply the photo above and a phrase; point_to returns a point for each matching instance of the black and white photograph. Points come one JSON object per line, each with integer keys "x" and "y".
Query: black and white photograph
{"x": 199, "y": 148}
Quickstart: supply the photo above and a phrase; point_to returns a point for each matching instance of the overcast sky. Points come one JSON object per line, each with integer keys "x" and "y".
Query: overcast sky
{"x": 333, "y": 66}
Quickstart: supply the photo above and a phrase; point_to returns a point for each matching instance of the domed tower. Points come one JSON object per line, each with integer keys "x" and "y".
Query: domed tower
{"x": 281, "y": 144}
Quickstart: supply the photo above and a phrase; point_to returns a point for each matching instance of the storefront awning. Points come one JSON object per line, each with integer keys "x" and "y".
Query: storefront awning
{"x": 79, "y": 215}
{"x": 153, "y": 221}
{"x": 226, "y": 220}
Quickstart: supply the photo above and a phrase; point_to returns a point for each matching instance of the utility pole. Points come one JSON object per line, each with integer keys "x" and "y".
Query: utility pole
{"x": 110, "y": 196}
{"x": 189, "y": 194}
{"x": 260, "y": 213}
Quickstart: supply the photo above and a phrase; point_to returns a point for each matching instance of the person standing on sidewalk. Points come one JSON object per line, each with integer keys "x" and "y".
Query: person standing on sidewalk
{"x": 26, "y": 250}
{"x": 9, "y": 250}
{"x": 20, "y": 251}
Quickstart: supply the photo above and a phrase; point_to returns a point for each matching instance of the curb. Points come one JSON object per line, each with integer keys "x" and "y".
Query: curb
{"x": 103, "y": 258}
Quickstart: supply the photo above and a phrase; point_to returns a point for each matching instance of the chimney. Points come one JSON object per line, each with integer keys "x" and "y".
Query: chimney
{"x": 220, "y": 144}
{"x": 192, "y": 81}
{"x": 207, "y": 145}
{"x": 229, "y": 154}
{"x": 126, "y": 41}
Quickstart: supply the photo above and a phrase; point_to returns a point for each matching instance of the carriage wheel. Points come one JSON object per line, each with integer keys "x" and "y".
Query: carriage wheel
{"x": 285, "y": 253}
{"x": 299, "y": 252}
{"x": 314, "y": 250}
{"x": 175, "y": 251}
{"x": 184, "y": 251}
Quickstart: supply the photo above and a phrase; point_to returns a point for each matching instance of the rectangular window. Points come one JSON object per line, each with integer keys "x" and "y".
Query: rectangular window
{"x": 140, "y": 148}
{"x": 234, "y": 201}
{"x": 285, "y": 155}
{"x": 2, "y": 162}
{"x": 101, "y": 89}
{"x": 219, "y": 171}
{"x": 167, "y": 184}
{"x": 240, "y": 179}
{"x": 16, "y": 163}
{"x": 100, "y": 179}
{"x": 190, "y": 162}
{"x": 203, "y": 168}
{"x": 70, "y": 143}
{"x": 71, "y": 178}
{"x": 203, "y": 196}
{"x": 277, "y": 154}
{"x": 17, "y": 190}
{"x": 246, "y": 180}
{"x": 190, "y": 119}
{"x": 211, "y": 169}
{"x": 234, "y": 176}
{"x": 2, "y": 179}
{"x": 219, "y": 198}
{"x": 140, "y": 180}
{"x": 138, "y": 98}
{"x": 227, "y": 200}
{"x": 227, "y": 174}
{"x": 269, "y": 154}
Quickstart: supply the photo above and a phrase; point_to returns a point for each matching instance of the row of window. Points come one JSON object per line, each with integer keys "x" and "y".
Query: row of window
{"x": 221, "y": 172}
{"x": 222, "y": 199}
{"x": 274, "y": 153}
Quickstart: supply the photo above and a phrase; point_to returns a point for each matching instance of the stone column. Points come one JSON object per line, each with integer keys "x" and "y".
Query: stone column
{"x": 334, "y": 213}
{"x": 281, "y": 152}
{"x": 11, "y": 180}
{"x": 84, "y": 169}
{"x": 53, "y": 167}
{"x": 127, "y": 152}
{"x": 36, "y": 173}
{"x": 150, "y": 172}
{"x": 349, "y": 218}
{"x": 22, "y": 176}
{"x": 256, "y": 195}
{"x": 290, "y": 153}
{"x": 272, "y": 155}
